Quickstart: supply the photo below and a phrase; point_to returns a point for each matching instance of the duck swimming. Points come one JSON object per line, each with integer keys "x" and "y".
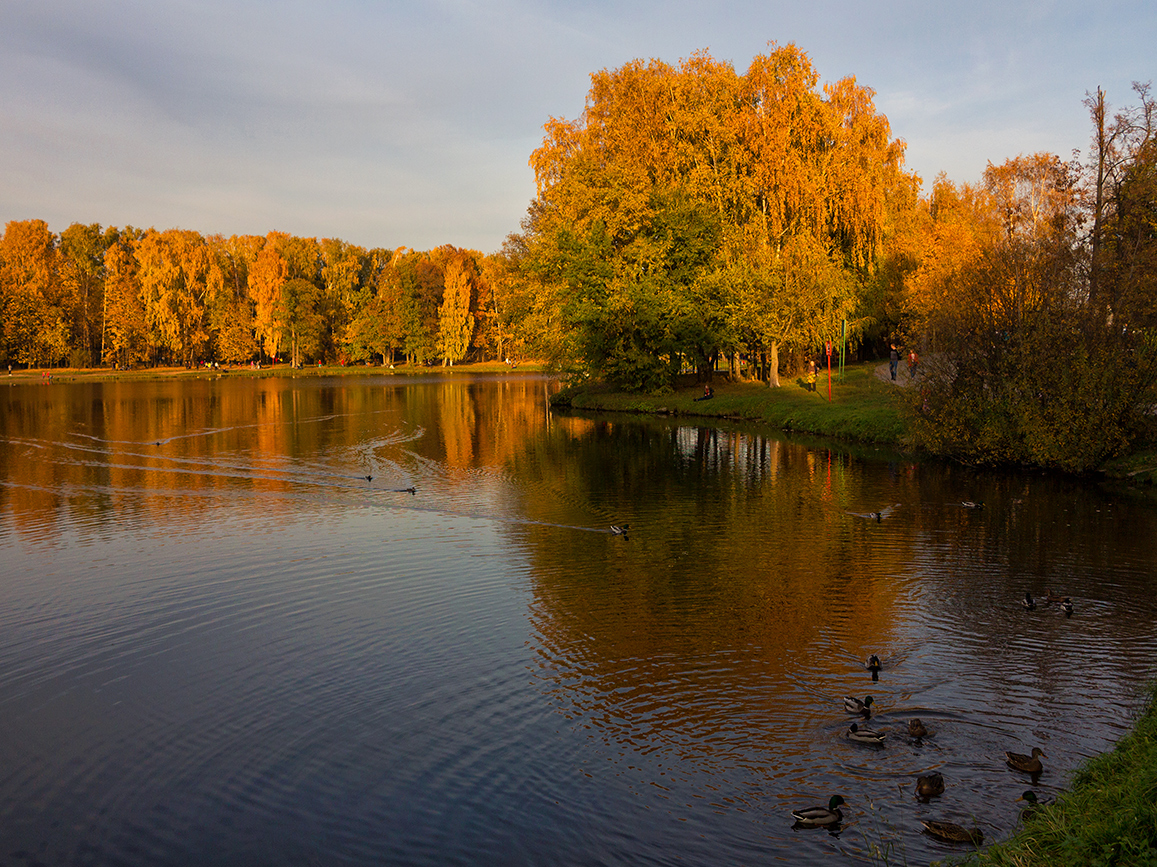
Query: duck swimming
{"x": 873, "y": 663}
{"x": 952, "y": 832}
{"x": 854, "y": 705}
{"x": 865, "y": 736}
{"x": 930, "y": 786}
{"x": 917, "y": 729}
{"x": 1028, "y": 602}
{"x": 817, "y": 817}
{"x": 1028, "y": 764}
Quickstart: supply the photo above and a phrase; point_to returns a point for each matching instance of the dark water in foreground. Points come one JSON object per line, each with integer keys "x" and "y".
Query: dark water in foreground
{"x": 221, "y": 644}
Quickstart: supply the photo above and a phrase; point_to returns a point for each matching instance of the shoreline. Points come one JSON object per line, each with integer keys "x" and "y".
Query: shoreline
{"x": 105, "y": 374}
{"x": 864, "y": 408}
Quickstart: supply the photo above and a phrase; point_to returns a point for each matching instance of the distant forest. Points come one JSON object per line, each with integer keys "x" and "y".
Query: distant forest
{"x": 692, "y": 216}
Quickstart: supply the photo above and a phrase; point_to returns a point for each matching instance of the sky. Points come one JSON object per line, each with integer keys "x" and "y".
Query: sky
{"x": 391, "y": 124}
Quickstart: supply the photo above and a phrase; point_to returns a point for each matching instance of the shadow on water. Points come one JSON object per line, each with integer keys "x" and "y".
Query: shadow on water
{"x": 302, "y": 621}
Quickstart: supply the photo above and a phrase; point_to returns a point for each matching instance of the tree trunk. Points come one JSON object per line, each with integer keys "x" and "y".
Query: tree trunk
{"x": 773, "y": 366}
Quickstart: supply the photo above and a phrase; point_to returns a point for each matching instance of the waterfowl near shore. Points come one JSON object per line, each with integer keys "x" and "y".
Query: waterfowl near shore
{"x": 1034, "y": 804}
{"x": 952, "y": 832}
{"x": 929, "y": 786}
{"x": 818, "y": 817}
{"x": 1028, "y": 764}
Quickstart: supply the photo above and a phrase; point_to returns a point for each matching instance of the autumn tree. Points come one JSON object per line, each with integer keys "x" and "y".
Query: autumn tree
{"x": 124, "y": 341}
{"x": 455, "y": 317}
{"x": 82, "y": 277}
{"x": 35, "y": 324}
{"x": 177, "y": 275}
{"x": 768, "y": 161}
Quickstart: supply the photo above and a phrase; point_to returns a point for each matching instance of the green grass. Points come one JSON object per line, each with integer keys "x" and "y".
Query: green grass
{"x": 1107, "y": 818}
{"x": 862, "y": 408}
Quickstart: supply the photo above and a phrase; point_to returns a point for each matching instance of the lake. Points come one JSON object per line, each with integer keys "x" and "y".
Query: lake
{"x": 231, "y": 633}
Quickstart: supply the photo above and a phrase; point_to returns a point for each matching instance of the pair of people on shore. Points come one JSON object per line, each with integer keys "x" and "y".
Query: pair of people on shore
{"x": 894, "y": 362}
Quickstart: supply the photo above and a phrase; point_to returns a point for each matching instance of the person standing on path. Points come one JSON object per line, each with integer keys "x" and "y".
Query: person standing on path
{"x": 894, "y": 361}
{"x": 913, "y": 358}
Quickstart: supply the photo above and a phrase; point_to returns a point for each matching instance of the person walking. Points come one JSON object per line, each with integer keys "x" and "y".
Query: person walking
{"x": 894, "y": 361}
{"x": 913, "y": 358}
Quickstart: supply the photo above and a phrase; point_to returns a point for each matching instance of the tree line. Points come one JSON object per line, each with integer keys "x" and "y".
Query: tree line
{"x": 108, "y": 296}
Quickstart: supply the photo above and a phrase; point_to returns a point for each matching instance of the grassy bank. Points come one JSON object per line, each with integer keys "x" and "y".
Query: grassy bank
{"x": 862, "y": 408}
{"x": 1108, "y": 817}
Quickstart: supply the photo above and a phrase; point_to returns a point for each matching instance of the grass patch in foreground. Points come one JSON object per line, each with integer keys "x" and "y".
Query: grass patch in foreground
{"x": 862, "y": 408}
{"x": 1107, "y": 818}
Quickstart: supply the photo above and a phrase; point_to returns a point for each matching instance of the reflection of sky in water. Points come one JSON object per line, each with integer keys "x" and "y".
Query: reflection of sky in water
{"x": 233, "y": 642}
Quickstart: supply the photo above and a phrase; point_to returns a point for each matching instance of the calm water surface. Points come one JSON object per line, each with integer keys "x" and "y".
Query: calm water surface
{"x": 220, "y": 643}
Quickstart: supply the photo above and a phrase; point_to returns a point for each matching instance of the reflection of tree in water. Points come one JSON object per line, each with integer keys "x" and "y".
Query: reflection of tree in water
{"x": 740, "y": 559}
{"x": 748, "y": 597}
{"x": 167, "y": 453}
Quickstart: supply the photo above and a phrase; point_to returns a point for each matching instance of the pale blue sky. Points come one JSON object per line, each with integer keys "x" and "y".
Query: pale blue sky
{"x": 410, "y": 123}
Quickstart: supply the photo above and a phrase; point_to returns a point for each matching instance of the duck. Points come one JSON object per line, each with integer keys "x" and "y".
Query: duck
{"x": 818, "y": 817}
{"x": 1067, "y": 606}
{"x": 930, "y": 786}
{"x": 969, "y": 504}
{"x": 854, "y": 705}
{"x": 952, "y": 832}
{"x": 1028, "y": 764}
{"x": 620, "y": 530}
{"x": 873, "y": 663}
{"x": 917, "y": 729}
{"x": 1034, "y": 804}
{"x": 865, "y": 736}
{"x": 1054, "y": 597}
{"x": 1028, "y": 602}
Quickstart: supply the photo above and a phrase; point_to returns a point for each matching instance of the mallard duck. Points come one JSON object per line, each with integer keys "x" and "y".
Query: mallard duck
{"x": 1028, "y": 764}
{"x": 969, "y": 504}
{"x": 873, "y": 663}
{"x": 865, "y": 736}
{"x": 1028, "y": 602}
{"x": 1034, "y": 804}
{"x": 952, "y": 832}
{"x": 1067, "y": 606}
{"x": 620, "y": 531}
{"x": 854, "y": 705}
{"x": 930, "y": 786}
{"x": 916, "y": 729}
{"x": 1054, "y": 597}
{"x": 816, "y": 817}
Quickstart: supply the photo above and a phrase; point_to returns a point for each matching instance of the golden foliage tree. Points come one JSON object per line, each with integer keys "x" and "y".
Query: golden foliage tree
{"x": 773, "y": 163}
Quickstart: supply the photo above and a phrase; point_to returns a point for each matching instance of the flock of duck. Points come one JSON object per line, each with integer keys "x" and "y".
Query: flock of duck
{"x": 931, "y": 785}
